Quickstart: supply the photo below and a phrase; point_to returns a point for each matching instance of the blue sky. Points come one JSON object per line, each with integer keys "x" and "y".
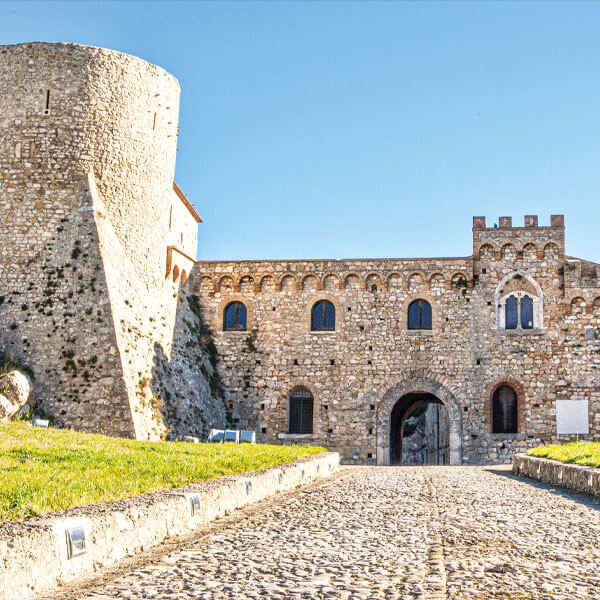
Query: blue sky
{"x": 364, "y": 129}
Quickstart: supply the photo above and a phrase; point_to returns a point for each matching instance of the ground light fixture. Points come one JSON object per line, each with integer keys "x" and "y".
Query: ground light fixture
{"x": 195, "y": 503}
{"x": 75, "y": 541}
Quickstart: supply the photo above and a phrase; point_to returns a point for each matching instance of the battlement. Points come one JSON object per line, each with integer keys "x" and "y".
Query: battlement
{"x": 528, "y": 242}
{"x": 531, "y": 222}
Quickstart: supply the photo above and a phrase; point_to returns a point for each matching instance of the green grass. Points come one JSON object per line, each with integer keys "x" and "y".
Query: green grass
{"x": 579, "y": 453}
{"x": 45, "y": 470}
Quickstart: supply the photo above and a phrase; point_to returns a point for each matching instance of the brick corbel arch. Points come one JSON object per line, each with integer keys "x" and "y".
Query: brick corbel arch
{"x": 337, "y": 279}
{"x": 429, "y": 386}
{"x": 489, "y": 394}
{"x": 380, "y": 282}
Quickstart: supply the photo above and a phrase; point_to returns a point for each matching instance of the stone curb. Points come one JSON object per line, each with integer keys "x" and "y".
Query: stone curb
{"x": 34, "y": 555}
{"x": 574, "y": 477}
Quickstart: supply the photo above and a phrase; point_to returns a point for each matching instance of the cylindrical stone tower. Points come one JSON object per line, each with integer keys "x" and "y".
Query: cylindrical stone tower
{"x": 87, "y": 158}
{"x": 66, "y": 110}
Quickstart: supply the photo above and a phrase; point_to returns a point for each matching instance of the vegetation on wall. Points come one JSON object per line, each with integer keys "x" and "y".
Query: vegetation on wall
{"x": 8, "y": 362}
{"x": 204, "y": 335}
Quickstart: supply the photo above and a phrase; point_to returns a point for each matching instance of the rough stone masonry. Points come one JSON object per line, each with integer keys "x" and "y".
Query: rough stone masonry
{"x": 125, "y": 333}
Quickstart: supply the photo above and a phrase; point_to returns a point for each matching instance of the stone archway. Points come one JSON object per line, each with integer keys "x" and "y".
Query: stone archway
{"x": 424, "y": 386}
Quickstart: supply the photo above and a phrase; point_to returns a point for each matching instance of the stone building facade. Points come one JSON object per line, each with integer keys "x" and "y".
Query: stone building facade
{"x": 125, "y": 332}
{"x": 372, "y": 362}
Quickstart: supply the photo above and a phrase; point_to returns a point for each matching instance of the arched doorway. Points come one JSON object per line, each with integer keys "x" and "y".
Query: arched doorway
{"x": 427, "y": 388}
{"x": 419, "y": 431}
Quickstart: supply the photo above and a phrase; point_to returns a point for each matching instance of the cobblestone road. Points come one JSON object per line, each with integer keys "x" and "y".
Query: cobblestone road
{"x": 414, "y": 533}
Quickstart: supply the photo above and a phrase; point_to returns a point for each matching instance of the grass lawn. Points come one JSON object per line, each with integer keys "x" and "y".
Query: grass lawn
{"x": 44, "y": 470}
{"x": 579, "y": 453}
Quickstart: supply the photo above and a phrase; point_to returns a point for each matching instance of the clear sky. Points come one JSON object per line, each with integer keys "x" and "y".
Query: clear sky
{"x": 364, "y": 129}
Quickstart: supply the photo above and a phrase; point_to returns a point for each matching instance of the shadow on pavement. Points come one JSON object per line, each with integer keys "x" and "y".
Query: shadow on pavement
{"x": 506, "y": 471}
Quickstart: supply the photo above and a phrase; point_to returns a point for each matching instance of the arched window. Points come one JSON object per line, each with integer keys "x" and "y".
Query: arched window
{"x": 505, "y": 410}
{"x": 234, "y": 317}
{"x": 322, "y": 317}
{"x": 519, "y": 303}
{"x": 526, "y": 312}
{"x": 419, "y": 315}
{"x": 512, "y": 313}
{"x": 301, "y": 405}
{"x": 518, "y": 312}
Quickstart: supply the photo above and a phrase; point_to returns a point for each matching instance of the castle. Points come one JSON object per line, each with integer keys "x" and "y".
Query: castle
{"x": 126, "y": 333}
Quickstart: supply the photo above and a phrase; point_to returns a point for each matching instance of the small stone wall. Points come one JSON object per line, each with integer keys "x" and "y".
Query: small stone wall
{"x": 33, "y": 553}
{"x": 573, "y": 477}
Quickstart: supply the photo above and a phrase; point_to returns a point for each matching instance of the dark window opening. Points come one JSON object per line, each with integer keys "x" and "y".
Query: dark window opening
{"x": 234, "y": 317}
{"x": 504, "y": 410}
{"x": 263, "y": 430}
{"x": 526, "y": 312}
{"x": 47, "y": 108}
{"x": 323, "y": 316}
{"x": 301, "y": 411}
{"x": 518, "y": 313}
{"x": 419, "y": 315}
{"x": 332, "y": 361}
{"x": 511, "y": 313}
{"x": 295, "y": 362}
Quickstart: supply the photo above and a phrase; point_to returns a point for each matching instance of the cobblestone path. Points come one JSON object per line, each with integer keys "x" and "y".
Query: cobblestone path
{"x": 414, "y": 533}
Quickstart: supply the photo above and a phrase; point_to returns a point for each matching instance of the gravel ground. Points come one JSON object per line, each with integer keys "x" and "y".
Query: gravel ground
{"x": 381, "y": 532}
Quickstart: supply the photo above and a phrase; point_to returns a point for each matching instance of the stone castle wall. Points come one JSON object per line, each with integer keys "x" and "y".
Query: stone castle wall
{"x": 99, "y": 291}
{"x": 87, "y": 156}
{"x": 357, "y": 372}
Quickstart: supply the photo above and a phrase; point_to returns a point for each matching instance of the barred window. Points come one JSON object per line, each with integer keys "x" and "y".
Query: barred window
{"x": 323, "y": 316}
{"x": 301, "y": 405}
{"x": 505, "y": 410}
{"x": 419, "y": 315}
{"x": 234, "y": 317}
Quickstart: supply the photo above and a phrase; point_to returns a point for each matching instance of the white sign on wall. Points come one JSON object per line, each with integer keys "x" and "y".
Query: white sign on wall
{"x": 572, "y": 417}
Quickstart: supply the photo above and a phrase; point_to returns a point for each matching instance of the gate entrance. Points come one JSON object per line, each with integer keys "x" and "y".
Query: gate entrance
{"x": 419, "y": 431}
